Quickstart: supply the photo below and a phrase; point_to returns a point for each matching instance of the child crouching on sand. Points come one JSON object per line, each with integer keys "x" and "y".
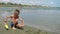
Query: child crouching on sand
{"x": 14, "y": 20}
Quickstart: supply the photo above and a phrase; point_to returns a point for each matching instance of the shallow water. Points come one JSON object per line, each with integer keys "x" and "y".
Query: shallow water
{"x": 44, "y": 19}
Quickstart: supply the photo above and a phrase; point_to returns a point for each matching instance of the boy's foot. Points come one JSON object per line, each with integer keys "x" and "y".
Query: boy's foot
{"x": 14, "y": 28}
{"x": 20, "y": 28}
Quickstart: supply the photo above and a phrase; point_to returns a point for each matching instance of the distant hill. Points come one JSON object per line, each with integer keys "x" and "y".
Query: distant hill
{"x": 17, "y": 5}
{"x": 24, "y": 5}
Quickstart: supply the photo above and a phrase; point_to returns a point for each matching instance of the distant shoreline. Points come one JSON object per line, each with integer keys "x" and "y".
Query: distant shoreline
{"x": 20, "y": 5}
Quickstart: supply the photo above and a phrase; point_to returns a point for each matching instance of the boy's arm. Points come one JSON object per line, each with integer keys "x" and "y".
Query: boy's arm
{"x": 22, "y": 21}
{"x": 5, "y": 19}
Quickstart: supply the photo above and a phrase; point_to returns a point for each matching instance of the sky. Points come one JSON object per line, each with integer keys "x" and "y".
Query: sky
{"x": 53, "y": 3}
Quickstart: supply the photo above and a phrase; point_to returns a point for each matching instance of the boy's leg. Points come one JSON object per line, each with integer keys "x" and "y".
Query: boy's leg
{"x": 20, "y": 26}
{"x": 12, "y": 26}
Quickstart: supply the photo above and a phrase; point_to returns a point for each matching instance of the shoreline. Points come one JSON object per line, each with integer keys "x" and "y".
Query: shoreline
{"x": 26, "y": 30}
